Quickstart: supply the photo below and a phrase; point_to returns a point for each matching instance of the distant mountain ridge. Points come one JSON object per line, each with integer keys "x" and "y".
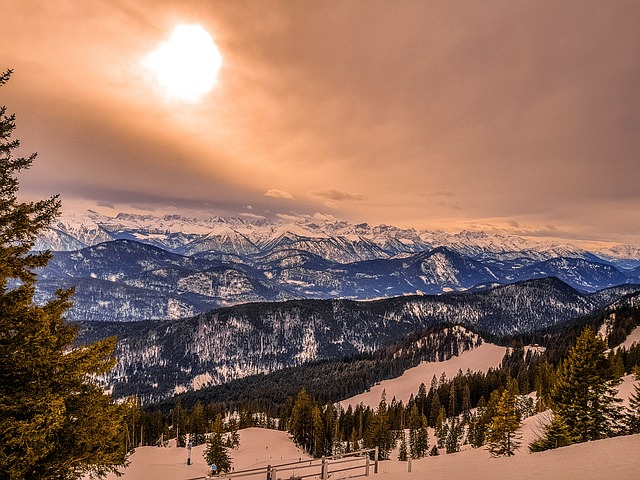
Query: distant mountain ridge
{"x": 145, "y": 267}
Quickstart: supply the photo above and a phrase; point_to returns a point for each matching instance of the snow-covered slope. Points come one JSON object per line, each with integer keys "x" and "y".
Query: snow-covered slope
{"x": 479, "y": 359}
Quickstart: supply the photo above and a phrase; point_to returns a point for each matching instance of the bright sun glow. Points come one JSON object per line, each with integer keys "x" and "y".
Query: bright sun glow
{"x": 186, "y": 65}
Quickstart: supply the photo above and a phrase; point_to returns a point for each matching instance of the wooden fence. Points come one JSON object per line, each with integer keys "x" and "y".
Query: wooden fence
{"x": 348, "y": 465}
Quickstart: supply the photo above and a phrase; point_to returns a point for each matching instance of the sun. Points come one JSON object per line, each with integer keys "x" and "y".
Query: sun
{"x": 186, "y": 66}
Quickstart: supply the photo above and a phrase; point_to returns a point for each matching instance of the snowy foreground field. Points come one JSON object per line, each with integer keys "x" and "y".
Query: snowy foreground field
{"x": 613, "y": 458}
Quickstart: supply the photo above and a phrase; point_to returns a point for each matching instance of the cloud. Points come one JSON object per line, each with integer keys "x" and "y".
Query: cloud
{"x": 513, "y": 227}
{"x": 251, "y": 216}
{"x": 274, "y": 193}
{"x": 295, "y": 217}
{"x": 292, "y": 218}
{"x": 338, "y": 195}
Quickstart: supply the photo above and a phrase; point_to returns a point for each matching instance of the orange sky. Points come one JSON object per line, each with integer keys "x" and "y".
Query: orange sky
{"x": 518, "y": 117}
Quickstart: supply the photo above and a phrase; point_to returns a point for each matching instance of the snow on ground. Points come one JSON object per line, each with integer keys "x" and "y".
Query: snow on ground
{"x": 258, "y": 448}
{"x": 610, "y": 458}
{"x": 478, "y": 359}
{"x": 614, "y": 458}
{"x": 164, "y": 463}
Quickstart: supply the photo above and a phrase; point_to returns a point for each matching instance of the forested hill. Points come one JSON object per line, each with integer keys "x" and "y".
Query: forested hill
{"x": 332, "y": 380}
{"x": 159, "y": 359}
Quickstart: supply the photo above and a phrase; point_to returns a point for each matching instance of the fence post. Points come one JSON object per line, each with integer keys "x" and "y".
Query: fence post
{"x": 409, "y": 465}
{"x": 323, "y": 472}
{"x": 366, "y": 466}
{"x": 268, "y": 472}
{"x": 375, "y": 465}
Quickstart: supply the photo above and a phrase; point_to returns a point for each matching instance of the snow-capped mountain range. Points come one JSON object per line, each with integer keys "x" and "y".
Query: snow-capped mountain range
{"x": 338, "y": 241}
{"x": 136, "y": 267}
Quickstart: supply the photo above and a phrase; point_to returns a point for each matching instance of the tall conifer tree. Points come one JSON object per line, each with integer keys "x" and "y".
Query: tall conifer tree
{"x": 318, "y": 449}
{"x": 402, "y": 452}
{"x": 418, "y": 434}
{"x": 585, "y": 394}
{"x": 632, "y": 418}
{"x": 217, "y": 449}
{"x": 454, "y": 435}
{"x": 441, "y": 428}
{"x": 502, "y": 435}
{"x": 55, "y": 422}
{"x": 378, "y": 432}
{"x": 301, "y": 421}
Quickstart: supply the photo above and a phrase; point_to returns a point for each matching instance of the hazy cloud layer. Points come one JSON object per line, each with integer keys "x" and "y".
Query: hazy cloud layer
{"x": 435, "y": 114}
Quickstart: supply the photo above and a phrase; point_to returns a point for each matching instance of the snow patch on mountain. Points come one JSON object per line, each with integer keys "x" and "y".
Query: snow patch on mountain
{"x": 479, "y": 359}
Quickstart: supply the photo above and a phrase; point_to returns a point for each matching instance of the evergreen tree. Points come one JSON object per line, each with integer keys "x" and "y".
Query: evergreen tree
{"x": 233, "y": 439}
{"x": 318, "y": 449}
{"x": 418, "y": 434}
{"x": 473, "y": 436}
{"x": 378, "y": 432}
{"x": 434, "y": 412}
{"x": 556, "y": 435}
{"x": 216, "y": 452}
{"x": 616, "y": 365}
{"x": 330, "y": 428}
{"x": 197, "y": 424}
{"x": 132, "y": 422}
{"x": 544, "y": 378}
{"x": 478, "y": 425}
{"x": 632, "y": 418}
{"x": 55, "y": 421}
{"x": 423, "y": 435}
{"x": 502, "y": 436}
{"x": 402, "y": 453}
{"x": 179, "y": 423}
{"x": 354, "y": 441}
{"x": 454, "y": 434}
{"x": 584, "y": 395}
{"x": 301, "y": 421}
{"x": 466, "y": 403}
{"x": 421, "y": 399}
{"x": 452, "y": 399}
{"x": 442, "y": 428}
